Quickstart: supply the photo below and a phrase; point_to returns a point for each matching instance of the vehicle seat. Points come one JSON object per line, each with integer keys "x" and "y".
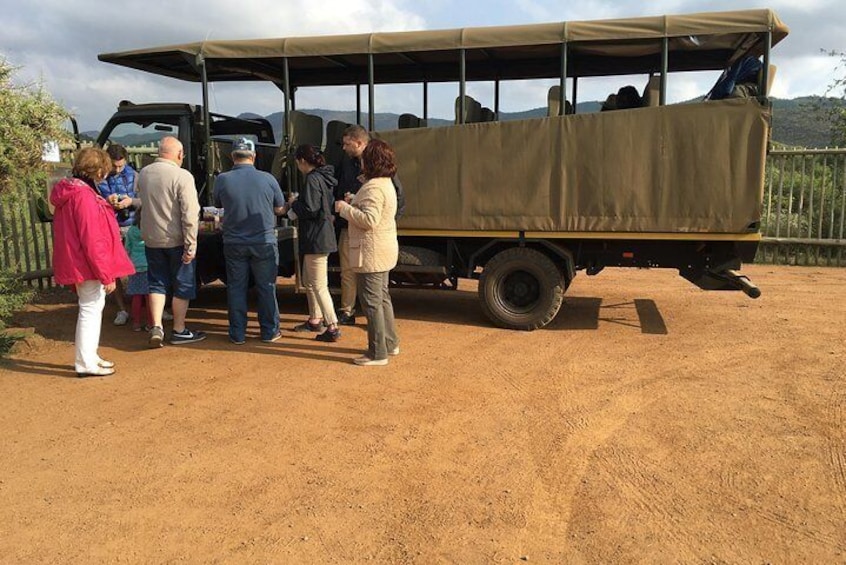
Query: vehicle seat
{"x": 407, "y": 121}
{"x": 552, "y": 102}
{"x": 652, "y": 91}
{"x": 305, "y": 129}
{"x": 334, "y": 151}
{"x": 472, "y": 110}
{"x": 487, "y": 115}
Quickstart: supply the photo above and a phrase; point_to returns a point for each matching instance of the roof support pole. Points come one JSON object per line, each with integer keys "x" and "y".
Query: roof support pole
{"x": 289, "y": 107}
{"x": 562, "y": 80}
{"x": 665, "y": 67}
{"x": 286, "y": 87}
{"x": 371, "y": 93}
{"x": 575, "y": 93}
{"x": 496, "y": 99}
{"x": 206, "y": 149}
{"x": 358, "y": 103}
{"x": 765, "y": 74}
{"x": 425, "y": 99}
{"x": 462, "y": 87}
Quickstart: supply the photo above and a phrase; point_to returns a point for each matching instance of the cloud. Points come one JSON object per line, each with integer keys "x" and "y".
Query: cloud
{"x": 58, "y": 41}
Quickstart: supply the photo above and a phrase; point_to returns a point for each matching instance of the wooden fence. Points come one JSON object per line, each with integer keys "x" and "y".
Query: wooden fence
{"x": 803, "y": 220}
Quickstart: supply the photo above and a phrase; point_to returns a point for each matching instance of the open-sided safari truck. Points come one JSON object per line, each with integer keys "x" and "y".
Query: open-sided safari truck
{"x": 524, "y": 205}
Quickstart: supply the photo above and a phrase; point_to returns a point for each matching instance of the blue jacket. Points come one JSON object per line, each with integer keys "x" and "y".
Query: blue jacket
{"x": 121, "y": 183}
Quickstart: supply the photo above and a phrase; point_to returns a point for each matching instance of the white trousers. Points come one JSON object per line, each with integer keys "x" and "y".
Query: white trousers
{"x": 317, "y": 288}
{"x": 92, "y": 299}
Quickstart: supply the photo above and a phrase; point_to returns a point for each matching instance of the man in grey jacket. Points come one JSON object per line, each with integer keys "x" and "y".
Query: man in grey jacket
{"x": 169, "y": 227}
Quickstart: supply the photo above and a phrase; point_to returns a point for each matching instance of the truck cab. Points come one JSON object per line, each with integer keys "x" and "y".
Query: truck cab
{"x": 141, "y": 126}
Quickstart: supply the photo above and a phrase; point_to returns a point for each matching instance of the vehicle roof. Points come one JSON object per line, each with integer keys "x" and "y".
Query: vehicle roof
{"x": 704, "y": 41}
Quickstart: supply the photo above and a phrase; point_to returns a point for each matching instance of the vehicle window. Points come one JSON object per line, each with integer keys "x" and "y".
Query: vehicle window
{"x": 146, "y": 134}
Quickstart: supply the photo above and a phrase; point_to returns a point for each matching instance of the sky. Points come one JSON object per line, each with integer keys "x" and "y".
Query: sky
{"x": 55, "y": 43}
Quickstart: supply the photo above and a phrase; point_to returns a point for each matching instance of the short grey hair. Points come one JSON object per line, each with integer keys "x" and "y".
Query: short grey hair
{"x": 357, "y": 132}
{"x": 239, "y": 154}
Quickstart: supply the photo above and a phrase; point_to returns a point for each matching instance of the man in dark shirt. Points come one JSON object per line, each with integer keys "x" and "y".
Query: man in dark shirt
{"x": 354, "y": 140}
{"x": 251, "y": 200}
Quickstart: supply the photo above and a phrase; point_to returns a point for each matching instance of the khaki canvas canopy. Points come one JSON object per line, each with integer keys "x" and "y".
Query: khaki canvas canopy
{"x": 706, "y": 41}
{"x": 687, "y": 168}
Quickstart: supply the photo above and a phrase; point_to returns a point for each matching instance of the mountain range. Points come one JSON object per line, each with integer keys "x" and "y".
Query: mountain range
{"x": 795, "y": 123}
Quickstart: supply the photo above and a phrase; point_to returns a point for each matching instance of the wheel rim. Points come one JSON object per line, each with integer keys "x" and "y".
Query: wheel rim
{"x": 519, "y": 291}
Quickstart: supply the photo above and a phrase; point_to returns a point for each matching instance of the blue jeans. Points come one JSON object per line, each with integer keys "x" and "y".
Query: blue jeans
{"x": 262, "y": 260}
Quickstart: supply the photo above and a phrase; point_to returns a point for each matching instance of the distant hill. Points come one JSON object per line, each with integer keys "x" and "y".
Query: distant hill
{"x": 795, "y": 123}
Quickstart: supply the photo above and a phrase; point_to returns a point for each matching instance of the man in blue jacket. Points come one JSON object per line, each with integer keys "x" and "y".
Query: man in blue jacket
{"x": 119, "y": 189}
{"x": 251, "y": 200}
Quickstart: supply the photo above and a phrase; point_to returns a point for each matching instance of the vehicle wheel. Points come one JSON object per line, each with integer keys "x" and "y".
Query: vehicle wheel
{"x": 521, "y": 289}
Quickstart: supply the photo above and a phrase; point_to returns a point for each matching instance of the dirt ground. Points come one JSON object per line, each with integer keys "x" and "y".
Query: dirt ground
{"x": 651, "y": 422}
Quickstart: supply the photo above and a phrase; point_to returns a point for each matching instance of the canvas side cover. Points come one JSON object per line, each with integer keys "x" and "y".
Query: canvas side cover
{"x": 681, "y": 168}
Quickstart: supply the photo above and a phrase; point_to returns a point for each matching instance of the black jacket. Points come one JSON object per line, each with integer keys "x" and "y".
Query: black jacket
{"x": 347, "y": 176}
{"x": 314, "y": 210}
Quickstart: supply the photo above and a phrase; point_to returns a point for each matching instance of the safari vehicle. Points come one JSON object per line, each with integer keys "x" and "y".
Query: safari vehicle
{"x": 525, "y": 205}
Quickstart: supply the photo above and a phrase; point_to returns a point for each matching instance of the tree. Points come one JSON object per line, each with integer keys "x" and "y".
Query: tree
{"x": 834, "y": 111}
{"x": 29, "y": 118}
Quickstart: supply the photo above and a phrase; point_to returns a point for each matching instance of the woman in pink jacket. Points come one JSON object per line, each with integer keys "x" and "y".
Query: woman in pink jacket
{"x": 87, "y": 252}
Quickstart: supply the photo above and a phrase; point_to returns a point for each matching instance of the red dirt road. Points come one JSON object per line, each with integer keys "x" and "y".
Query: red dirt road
{"x": 651, "y": 422}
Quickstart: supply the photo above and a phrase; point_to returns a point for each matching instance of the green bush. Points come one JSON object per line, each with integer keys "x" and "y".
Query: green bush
{"x": 14, "y": 295}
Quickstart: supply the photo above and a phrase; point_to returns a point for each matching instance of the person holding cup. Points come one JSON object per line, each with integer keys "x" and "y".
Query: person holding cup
{"x": 119, "y": 188}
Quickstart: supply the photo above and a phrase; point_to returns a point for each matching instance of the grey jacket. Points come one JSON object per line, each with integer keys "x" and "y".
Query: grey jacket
{"x": 171, "y": 211}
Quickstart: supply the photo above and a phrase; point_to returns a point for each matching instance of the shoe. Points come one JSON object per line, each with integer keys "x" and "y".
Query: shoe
{"x": 156, "y": 337}
{"x": 307, "y": 326}
{"x": 365, "y": 361}
{"x": 122, "y": 318}
{"x": 145, "y": 328}
{"x": 394, "y": 351}
{"x": 186, "y": 336}
{"x": 103, "y": 364}
{"x": 329, "y": 335}
{"x": 346, "y": 319}
{"x": 98, "y": 372}
{"x": 167, "y": 316}
{"x": 237, "y": 342}
{"x": 276, "y": 337}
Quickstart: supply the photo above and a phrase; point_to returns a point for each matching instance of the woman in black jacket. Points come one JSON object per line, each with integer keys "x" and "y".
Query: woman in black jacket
{"x": 317, "y": 240}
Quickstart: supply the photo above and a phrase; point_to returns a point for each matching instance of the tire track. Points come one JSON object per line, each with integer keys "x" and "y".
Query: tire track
{"x": 837, "y": 443}
{"x": 641, "y": 485}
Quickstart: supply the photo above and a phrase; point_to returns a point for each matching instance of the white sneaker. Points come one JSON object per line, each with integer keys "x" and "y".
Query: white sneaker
{"x": 167, "y": 316}
{"x": 366, "y": 361}
{"x": 122, "y": 318}
{"x": 394, "y": 351}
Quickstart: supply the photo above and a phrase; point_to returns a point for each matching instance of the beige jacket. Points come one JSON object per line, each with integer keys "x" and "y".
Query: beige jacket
{"x": 373, "y": 231}
{"x": 170, "y": 211}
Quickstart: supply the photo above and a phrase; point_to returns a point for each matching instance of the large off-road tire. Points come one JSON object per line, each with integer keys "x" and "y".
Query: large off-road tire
{"x": 521, "y": 288}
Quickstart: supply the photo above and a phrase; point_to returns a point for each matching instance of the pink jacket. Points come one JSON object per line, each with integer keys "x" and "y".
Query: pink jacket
{"x": 86, "y": 239}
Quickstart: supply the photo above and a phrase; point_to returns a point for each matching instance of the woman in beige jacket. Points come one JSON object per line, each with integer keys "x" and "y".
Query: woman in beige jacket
{"x": 373, "y": 248}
